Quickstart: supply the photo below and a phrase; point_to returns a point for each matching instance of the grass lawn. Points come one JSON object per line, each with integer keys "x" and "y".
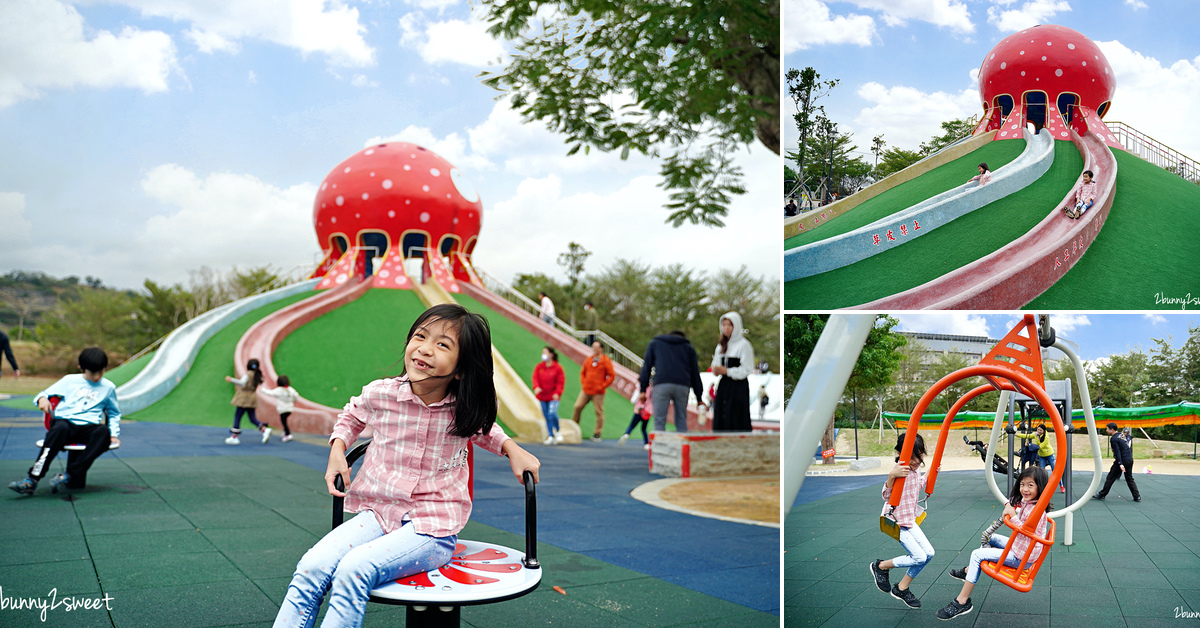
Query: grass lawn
{"x": 331, "y": 358}
{"x": 1143, "y": 250}
{"x": 944, "y": 177}
{"x": 953, "y": 245}
{"x": 202, "y": 398}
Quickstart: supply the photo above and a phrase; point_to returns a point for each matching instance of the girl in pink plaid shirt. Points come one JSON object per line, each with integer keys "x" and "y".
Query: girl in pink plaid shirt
{"x": 920, "y": 552}
{"x": 411, "y": 493}
{"x": 1021, "y": 502}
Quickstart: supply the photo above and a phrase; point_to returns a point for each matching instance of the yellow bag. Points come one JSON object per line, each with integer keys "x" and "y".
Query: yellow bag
{"x": 889, "y": 526}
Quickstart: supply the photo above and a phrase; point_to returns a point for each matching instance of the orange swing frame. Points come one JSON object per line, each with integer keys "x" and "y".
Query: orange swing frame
{"x": 1015, "y": 365}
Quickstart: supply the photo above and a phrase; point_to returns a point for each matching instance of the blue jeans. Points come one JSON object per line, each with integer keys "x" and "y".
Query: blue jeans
{"x": 351, "y": 560}
{"x": 920, "y": 552}
{"x": 991, "y": 554}
{"x": 550, "y": 413}
{"x": 664, "y": 394}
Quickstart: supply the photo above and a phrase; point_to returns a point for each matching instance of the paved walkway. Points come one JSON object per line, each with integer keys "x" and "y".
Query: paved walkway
{"x": 1131, "y": 564}
{"x": 180, "y": 529}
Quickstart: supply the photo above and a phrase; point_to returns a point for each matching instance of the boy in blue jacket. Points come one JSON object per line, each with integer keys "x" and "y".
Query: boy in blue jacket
{"x": 88, "y": 413}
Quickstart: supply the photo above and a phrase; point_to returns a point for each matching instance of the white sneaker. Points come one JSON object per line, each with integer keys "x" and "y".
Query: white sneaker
{"x": 233, "y": 440}
{"x": 266, "y": 435}
{"x": 549, "y": 440}
{"x": 646, "y": 446}
{"x": 558, "y": 437}
{"x": 621, "y": 441}
{"x": 286, "y": 438}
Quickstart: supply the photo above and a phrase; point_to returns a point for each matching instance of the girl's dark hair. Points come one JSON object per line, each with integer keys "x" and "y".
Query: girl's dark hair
{"x": 93, "y": 359}
{"x": 252, "y": 366}
{"x": 553, "y": 353}
{"x": 283, "y": 381}
{"x": 471, "y": 382}
{"x": 918, "y": 451}
{"x": 983, "y": 164}
{"x": 1039, "y": 477}
{"x": 1089, "y": 173}
{"x": 724, "y": 338}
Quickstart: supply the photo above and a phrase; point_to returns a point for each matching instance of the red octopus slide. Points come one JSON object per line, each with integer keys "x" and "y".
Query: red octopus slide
{"x": 261, "y": 340}
{"x": 1016, "y": 274}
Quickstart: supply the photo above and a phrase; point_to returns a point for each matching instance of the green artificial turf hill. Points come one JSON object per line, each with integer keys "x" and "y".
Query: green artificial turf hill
{"x": 127, "y": 371}
{"x": 1146, "y": 251}
{"x": 331, "y": 358}
{"x": 523, "y": 350}
{"x": 955, "y": 244}
{"x": 202, "y": 398}
{"x": 944, "y": 177}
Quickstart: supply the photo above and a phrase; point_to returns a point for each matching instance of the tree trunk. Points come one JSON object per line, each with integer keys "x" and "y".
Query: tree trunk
{"x": 827, "y": 441}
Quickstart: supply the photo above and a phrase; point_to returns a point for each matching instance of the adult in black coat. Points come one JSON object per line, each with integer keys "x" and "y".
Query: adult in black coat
{"x": 6, "y": 351}
{"x": 676, "y": 371}
{"x": 1122, "y": 463}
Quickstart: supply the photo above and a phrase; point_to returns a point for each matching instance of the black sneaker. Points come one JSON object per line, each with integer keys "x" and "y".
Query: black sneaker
{"x": 1137, "y": 499}
{"x": 905, "y": 596}
{"x": 881, "y": 577}
{"x": 1098, "y": 496}
{"x": 961, "y": 574}
{"x": 954, "y": 609}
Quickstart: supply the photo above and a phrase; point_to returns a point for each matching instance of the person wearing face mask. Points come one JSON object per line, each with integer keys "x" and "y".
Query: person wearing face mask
{"x": 733, "y": 361}
{"x": 548, "y": 381}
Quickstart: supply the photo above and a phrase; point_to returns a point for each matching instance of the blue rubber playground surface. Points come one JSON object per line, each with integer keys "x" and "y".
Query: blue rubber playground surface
{"x": 1131, "y": 564}
{"x": 179, "y": 529}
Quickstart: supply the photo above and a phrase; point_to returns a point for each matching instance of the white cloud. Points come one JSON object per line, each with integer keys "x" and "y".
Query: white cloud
{"x": 957, "y": 323}
{"x": 1155, "y": 318}
{"x": 1136, "y": 4}
{"x": 15, "y": 234}
{"x": 453, "y": 148}
{"x": 450, "y": 41}
{"x": 222, "y": 220}
{"x": 440, "y": 5}
{"x": 1144, "y": 84}
{"x": 44, "y": 45}
{"x": 1031, "y": 13}
{"x": 1067, "y": 323}
{"x": 361, "y": 80}
{"x": 952, "y": 14}
{"x": 907, "y": 116}
{"x": 327, "y": 27}
{"x": 809, "y": 23}
{"x": 253, "y": 78}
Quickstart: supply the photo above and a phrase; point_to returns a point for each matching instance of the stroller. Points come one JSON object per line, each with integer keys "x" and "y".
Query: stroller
{"x": 999, "y": 465}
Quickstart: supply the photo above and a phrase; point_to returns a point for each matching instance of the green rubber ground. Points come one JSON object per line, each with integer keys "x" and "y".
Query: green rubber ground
{"x": 523, "y": 350}
{"x": 331, "y": 358}
{"x": 953, "y": 245}
{"x": 909, "y": 193}
{"x": 202, "y": 398}
{"x": 1147, "y": 247}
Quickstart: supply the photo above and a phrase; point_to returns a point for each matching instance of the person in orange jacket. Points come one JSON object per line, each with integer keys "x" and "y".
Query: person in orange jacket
{"x": 595, "y": 377}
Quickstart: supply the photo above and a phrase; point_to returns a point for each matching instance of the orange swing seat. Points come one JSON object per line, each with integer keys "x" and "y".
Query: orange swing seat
{"x": 1020, "y": 577}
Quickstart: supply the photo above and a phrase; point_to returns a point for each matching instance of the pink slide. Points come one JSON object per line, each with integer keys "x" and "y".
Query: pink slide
{"x": 261, "y": 340}
{"x": 1016, "y": 274}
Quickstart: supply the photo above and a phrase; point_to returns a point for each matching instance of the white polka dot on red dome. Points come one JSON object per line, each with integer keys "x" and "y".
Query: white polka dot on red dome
{"x": 333, "y": 220}
{"x": 435, "y": 172}
{"x": 391, "y": 213}
{"x": 1043, "y": 57}
{"x": 358, "y": 215}
{"x": 366, "y": 196}
{"x": 1003, "y": 65}
{"x": 369, "y": 151}
{"x": 387, "y": 184}
{"x": 324, "y": 185}
{"x": 1049, "y": 42}
{"x": 424, "y": 217}
{"x": 408, "y": 201}
{"x": 407, "y": 167}
{"x": 339, "y": 200}
{"x": 1022, "y": 52}
{"x": 455, "y": 221}
{"x": 424, "y": 188}
{"x": 346, "y": 170}
{"x": 1058, "y": 72}
{"x": 1071, "y": 46}
{"x": 1022, "y": 72}
{"x": 1085, "y": 64}
{"x": 334, "y": 186}
{"x": 372, "y": 174}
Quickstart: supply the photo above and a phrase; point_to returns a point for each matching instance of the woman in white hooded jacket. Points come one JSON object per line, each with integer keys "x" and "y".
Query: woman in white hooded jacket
{"x": 733, "y": 361}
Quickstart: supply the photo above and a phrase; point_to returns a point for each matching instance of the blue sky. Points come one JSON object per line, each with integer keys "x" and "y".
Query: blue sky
{"x": 907, "y": 65}
{"x": 147, "y": 138}
{"x": 1098, "y": 335}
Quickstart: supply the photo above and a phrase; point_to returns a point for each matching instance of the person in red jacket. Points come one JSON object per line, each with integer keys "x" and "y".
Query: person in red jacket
{"x": 548, "y": 381}
{"x": 595, "y": 377}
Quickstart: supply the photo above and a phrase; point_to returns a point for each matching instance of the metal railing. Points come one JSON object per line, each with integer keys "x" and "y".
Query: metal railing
{"x": 620, "y": 353}
{"x": 1155, "y": 152}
